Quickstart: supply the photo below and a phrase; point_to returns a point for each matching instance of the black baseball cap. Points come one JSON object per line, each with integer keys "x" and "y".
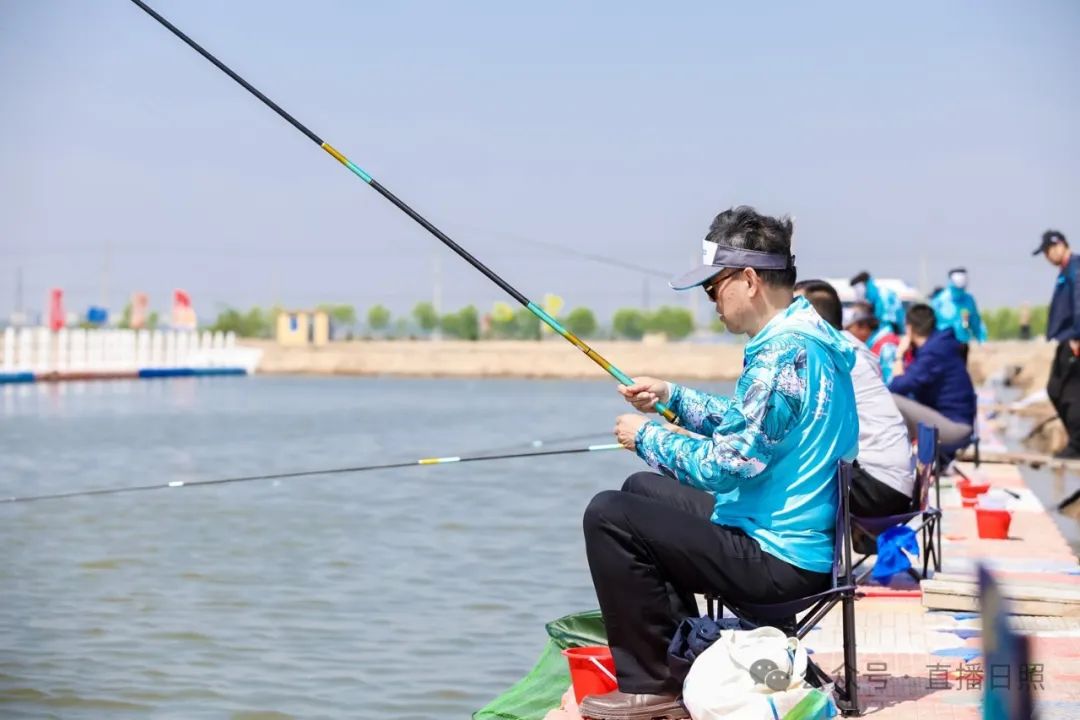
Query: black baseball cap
{"x": 1049, "y": 238}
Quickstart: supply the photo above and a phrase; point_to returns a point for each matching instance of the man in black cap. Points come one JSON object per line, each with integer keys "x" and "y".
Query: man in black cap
{"x": 1063, "y": 325}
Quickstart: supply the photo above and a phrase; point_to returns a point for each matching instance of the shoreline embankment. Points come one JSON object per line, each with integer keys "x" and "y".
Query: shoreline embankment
{"x": 549, "y": 359}
{"x": 554, "y": 358}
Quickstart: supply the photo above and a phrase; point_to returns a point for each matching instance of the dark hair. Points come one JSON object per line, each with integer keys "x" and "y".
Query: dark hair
{"x": 743, "y": 227}
{"x": 922, "y": 320}
{"x": 867, "y": 311}
{"x": 860, "y": 278}
{"x": 823, "y": 297}
{"x": 1053, "y": 236}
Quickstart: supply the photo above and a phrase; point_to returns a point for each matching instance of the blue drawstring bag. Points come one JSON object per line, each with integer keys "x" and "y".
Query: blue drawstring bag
{"x": 891, "y": 555}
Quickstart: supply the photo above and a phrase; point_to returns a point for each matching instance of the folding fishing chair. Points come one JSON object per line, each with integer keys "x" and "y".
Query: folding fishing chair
{"x": 816, "y": 606}
{"x": 973, "y": 443}
{"x": 926, "y": 474}
{"x": 947, "y": 454}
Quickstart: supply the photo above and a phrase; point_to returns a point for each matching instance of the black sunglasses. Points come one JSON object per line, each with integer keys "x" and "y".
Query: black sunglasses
{"x": 712, "y": 287}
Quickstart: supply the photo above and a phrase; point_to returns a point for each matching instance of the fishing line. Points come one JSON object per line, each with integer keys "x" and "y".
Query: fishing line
{"x": 536, "y": 310}
{"x": 310, "y": 473}
{"x": 568, "y": 250}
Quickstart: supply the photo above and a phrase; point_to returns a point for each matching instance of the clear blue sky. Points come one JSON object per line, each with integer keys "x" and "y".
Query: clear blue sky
{"x": 890, "y": 131}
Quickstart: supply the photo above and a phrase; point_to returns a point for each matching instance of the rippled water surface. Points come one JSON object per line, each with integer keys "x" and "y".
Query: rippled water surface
{"x": 418, "y": 593}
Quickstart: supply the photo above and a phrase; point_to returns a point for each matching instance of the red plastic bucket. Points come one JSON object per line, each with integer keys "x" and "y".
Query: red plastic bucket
{"x": 993, "y": 524}
{"x": 592, "y": 670}
{"x": 969, "y": 490}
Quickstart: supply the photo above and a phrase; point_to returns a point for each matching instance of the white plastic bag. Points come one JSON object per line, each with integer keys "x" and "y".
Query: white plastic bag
{"x": 747, "y": 675}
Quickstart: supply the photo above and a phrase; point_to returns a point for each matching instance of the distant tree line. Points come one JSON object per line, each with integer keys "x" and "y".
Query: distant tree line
{"x": 505, "y": 322}
{"x": 467, "y": 323}
{"x": 1004, "y": 323}
{"x": 255, "y": 323}
{"x": 633, "y": 324}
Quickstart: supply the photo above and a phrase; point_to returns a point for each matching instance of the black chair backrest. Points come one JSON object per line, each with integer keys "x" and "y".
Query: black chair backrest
{"x": 925, "y": 465}
{"x": 841, "y": 567}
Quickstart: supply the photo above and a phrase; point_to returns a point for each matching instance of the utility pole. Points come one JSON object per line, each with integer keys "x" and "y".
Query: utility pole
{"x": 105, "y": 267}
{"x": 695, "y": 300}
{"x": 924, "y": 276}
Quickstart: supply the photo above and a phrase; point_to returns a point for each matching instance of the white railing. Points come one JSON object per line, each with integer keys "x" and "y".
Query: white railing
{"x": 40, "y": 350}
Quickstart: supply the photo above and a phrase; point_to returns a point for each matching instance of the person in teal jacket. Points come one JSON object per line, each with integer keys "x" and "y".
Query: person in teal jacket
{"x": 743, "y": 503}
{"x": 888, "y": 308}
{"x": 956, "y": 310}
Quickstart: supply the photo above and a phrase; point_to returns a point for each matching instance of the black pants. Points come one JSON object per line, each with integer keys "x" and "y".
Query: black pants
{"x": 651, "y": 546}
{"x": 1064, "y": 391}
{"x": 872, "y": 498}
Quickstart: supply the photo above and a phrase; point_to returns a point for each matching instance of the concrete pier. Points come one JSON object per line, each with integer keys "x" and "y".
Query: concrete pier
{"x": 41, "y": 355}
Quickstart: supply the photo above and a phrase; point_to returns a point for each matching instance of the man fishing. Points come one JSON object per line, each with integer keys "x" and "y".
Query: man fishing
{"x": 888, "y": 308}
{"x": 744, "y": 503}
{"x": 956, "y": 309}
{"x": 1063, "y": 326}
{"x": 881, "y": 479}
{"x": 936, "y": 388}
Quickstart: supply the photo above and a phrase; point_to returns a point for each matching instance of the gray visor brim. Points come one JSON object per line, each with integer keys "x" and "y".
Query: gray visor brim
{"x": 696, "y": 277}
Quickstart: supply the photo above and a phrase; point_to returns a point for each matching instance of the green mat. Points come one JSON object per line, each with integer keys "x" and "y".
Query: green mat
{"x": 542, "y": 689}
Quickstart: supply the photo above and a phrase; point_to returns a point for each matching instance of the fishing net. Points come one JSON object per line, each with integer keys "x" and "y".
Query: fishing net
{"x": 531, "y": 697}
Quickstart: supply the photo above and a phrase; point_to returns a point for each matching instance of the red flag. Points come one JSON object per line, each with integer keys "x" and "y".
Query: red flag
{"x": 56, "y": 309}
{"x": 183, "y": 315}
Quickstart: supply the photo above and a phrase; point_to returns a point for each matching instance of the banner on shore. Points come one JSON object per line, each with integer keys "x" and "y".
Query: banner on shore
{"x": 56, "y": 309}
{"x": 183, "y": 314}
{"x": 140, "y": 305}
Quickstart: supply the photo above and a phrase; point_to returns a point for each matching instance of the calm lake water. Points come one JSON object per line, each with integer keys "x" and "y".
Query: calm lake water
{"x": 415, "y": 593}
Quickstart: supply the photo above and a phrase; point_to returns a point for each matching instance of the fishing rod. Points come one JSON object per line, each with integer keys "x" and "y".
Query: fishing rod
{"x": 541, "y": 443}
{"x": 309, "y": 473}
{"x": 536, "y": 310}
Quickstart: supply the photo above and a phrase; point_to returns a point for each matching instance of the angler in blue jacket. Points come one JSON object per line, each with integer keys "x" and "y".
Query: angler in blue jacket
{"x": 744, "y": 503}
{"x": 888, "y": 308}
{"x": 956, "y": 310}
{"x": 935, "y": 388}
{"x": 1063, "y": 325}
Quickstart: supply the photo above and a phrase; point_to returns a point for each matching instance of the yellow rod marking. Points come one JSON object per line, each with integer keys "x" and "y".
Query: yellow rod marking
{"x": 333, "y": 151}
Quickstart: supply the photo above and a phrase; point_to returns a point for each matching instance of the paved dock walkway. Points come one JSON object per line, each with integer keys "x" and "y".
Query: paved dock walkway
{"x": 917, "y": 663}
